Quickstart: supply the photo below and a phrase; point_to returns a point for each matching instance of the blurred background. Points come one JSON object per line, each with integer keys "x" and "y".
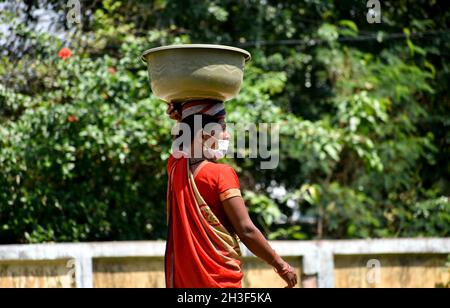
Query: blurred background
{"x": 364, "y": 109}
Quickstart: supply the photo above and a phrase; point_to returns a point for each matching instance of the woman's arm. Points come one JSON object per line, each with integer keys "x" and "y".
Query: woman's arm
{"x": 255, "y": 241}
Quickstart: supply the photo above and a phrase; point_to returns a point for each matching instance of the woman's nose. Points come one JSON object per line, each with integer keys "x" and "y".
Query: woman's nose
{"x": 226, "y": 136}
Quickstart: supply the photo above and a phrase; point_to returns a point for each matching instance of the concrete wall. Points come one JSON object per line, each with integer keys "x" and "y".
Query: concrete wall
{"x": 377, "y": 263}
{"x": 396, "y": 271}
{"x": 35, "y": 274}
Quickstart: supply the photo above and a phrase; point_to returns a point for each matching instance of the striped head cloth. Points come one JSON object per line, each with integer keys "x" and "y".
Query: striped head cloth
{"x": 208, "y": 107}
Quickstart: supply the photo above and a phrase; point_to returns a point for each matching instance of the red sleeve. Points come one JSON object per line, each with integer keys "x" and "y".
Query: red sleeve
{"x": 228, "y": 183}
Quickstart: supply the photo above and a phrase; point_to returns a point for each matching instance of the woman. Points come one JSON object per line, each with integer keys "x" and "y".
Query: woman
{"x": 206, "y": 212}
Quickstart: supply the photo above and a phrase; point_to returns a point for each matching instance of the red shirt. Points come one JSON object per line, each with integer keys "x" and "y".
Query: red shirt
{"x": 213, "y": 181}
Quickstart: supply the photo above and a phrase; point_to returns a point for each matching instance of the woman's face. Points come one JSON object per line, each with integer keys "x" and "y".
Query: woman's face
{"x": 211, "y": 143}
{"x": 211, "y": 136}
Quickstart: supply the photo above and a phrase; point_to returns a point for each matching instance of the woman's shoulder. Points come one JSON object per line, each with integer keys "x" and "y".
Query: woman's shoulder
{"x": 222, "y": 176}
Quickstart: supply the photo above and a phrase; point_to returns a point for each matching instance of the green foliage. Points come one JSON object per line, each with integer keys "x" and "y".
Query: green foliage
{"x": 364, "y": 118}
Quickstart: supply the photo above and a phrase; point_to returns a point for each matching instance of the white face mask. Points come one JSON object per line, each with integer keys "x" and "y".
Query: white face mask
{"x": 220, "y": 152}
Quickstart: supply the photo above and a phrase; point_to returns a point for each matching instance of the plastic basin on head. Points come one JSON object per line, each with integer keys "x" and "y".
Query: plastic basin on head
{"x": 182, "y": 73}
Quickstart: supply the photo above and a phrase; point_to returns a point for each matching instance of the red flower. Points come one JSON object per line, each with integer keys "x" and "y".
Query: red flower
{"x": 65, "y": 53}
{"x": 112, "y": 70}
{"x": 72, "y": 119}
